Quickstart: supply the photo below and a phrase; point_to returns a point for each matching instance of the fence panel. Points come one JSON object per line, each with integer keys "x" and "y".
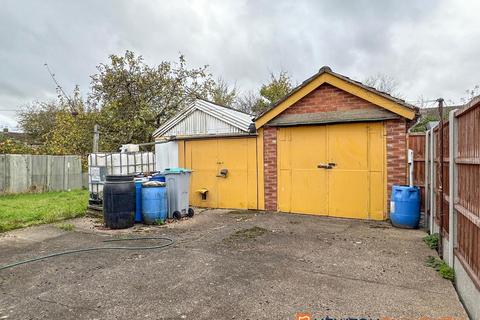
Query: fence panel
{"x": 38, "y": 173}
{"x": 39, "y": 169}
{"x": 442, "y": 203}
{"x": 467, "y": 202}
{"x": 416, "y": 142}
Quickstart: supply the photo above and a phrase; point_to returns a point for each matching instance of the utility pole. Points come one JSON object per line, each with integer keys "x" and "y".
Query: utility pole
{"x": 96, "y": 136}
{"x": 440, "y": 182}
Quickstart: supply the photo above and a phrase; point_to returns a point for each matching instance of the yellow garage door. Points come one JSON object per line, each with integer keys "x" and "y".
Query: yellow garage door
{"x": 208, "y": 158}
{"x": 335, "y": 170}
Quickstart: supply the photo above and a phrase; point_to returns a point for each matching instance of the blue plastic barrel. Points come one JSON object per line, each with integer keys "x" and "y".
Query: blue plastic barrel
{"x": 405, "y": 207}
{"x": 138, "y": 202}
{"x": 158, "y": 177}
{"x": 154, "y": 203}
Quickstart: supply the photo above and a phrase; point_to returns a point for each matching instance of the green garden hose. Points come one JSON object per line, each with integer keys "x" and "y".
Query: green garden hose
{"x": 169, "y": 243}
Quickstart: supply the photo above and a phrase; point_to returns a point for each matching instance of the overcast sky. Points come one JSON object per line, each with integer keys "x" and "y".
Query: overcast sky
{"x": 431, "y": 47}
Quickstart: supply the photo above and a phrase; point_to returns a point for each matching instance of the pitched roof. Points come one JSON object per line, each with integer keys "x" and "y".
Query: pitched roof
{"x": 326, "y": 75}
{"x": 235, "y": 118}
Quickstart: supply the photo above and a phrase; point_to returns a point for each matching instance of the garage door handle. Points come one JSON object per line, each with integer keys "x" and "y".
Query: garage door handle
{"x": 324, "y": 166}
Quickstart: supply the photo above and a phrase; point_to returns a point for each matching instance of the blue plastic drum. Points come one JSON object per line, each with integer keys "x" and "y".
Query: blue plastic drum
{"x": 154, "y": 203}
{"x": 405, "y": 207}
{"x": 158, "y": 177}
{"x": 138, "y": 198}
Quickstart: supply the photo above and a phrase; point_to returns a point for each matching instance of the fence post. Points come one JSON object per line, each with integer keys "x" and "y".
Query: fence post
{"x": 426, "y": 183}
{"x": 432, "y": 182}
{"x": 452, "y": 192}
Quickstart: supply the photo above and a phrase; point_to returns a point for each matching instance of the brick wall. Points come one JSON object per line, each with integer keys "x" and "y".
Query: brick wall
{"x": 270, "y": 167}
{"x": 329, "y": 98}
{"x": 396, "y": 154}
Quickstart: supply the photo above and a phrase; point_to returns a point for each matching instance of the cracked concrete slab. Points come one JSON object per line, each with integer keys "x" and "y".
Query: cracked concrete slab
{"x": 227, "y": 265}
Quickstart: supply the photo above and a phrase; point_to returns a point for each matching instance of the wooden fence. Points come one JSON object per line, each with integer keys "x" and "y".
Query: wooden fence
{"x": 416, "y": 142}
{"x": 461, "y": 186}
{"x": 467, "y": 191}
{"x": 445, "y": 183}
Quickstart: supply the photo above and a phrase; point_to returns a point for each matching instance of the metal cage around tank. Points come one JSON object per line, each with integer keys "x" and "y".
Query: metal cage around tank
{"x": 125, "y": 163}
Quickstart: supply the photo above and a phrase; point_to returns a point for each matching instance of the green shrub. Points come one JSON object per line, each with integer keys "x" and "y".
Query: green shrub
{"x": 441, "y": 267}
{"x": 159, "y": 222}
{"x": 432, "y": 240}
{"x": 446, "y": 272}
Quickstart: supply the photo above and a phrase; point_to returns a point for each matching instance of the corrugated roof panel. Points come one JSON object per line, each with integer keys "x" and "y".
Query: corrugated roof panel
{"x": 234, "y": 117}
{"x": 205, "y": 118}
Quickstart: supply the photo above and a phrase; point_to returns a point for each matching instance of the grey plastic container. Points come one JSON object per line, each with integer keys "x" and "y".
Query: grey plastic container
{"x": 178, "y": 192}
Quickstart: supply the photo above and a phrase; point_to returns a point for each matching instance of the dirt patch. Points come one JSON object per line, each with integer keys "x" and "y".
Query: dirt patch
{"x": 246, "y": 234}
{"x": 245, "y": 212}
{"x": 379, "y": 226}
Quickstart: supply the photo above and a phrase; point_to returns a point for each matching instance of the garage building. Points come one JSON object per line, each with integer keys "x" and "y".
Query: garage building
{"x": 333, "y": 147}
{"x": 216, "y": 143}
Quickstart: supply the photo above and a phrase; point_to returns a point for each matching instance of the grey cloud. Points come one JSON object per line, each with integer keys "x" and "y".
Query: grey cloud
{"x": 430, "y": 46}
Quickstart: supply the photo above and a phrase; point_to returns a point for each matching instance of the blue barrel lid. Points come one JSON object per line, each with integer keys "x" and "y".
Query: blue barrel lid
{"x": 404, "y": 187}
{"x": 176, "y": 170}
{"x": 153, "y": 184}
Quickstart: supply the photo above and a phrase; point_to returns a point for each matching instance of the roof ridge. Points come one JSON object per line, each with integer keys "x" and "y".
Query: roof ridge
{"x": 226, "y": 107}
{"x": 232, "y": 117}
{"x": 327, "y": 69}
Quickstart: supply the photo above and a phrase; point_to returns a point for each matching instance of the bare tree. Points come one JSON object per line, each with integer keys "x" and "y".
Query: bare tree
{"x": 470, "y": 94}
{"x": 385, "y": 83}
{"x": 247, "y": 102}
{"x": 222, "y": 94}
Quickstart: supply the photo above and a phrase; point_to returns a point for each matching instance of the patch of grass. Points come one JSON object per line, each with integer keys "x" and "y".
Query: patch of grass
{"x": 27, "y": 209}
{"x": 447, "y": 272}
{"x": 247, "y": 234}
{"x": 159, "y": 222}
{"x": 433, "y": 262}
{"x": 66, "y": 226}
{"x": 432, "y": 240}
{"x": 443, "y": 269}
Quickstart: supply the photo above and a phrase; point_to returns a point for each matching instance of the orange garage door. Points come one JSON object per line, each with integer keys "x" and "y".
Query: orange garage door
{"x": 336, "y": 170}
{"x": 207, "y": 158}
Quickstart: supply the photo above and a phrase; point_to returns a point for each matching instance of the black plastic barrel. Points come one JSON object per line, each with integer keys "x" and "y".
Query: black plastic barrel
{"x": 119, "y": 202}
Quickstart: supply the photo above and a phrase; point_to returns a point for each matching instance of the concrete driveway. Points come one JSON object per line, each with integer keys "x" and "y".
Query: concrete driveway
{"x": 227, "y": 265}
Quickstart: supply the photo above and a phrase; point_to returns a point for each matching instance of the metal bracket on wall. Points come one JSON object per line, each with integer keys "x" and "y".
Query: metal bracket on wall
{"x": 223, "y": 173}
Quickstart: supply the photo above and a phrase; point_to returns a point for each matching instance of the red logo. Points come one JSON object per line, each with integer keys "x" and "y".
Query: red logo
{"x": 303, "y": 316}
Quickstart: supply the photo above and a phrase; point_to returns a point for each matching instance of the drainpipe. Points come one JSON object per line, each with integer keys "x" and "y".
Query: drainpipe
{"x": 440, "y": 184}
{"x": 410, "y": 167}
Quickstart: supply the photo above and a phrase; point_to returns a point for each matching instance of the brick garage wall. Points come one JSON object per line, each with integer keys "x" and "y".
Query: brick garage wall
{"x": 396, "y": 154}
{"x": 329, "y": 98}
{"x": 270, "y": 167}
